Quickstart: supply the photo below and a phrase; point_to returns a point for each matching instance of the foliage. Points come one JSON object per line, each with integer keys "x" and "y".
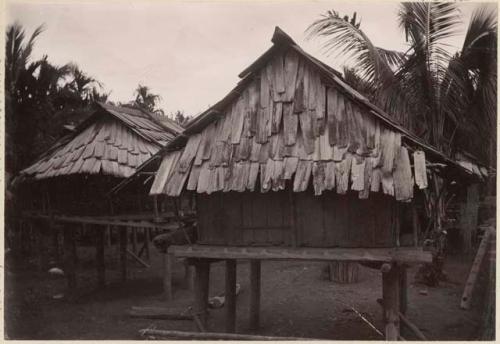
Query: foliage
{"x": 435, "y": 94}
{"x": 147, "y": 100}
{"x": 180, "y": 118}
{"x": 40, "y": 98}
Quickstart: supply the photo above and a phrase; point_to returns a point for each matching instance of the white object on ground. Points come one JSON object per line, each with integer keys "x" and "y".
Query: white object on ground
{"x": 56, "y": 271}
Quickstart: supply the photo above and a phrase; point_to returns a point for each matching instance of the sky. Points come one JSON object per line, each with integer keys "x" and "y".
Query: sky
{"x": 190, "y": 53}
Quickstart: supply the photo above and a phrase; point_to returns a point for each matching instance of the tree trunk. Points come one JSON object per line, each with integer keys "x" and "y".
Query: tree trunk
{"x": 344, "y": 272}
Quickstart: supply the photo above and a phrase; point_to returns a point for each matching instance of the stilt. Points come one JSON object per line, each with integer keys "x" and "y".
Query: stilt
{"x": 254, "y": 294}
{"x": 74, "y": 249}
{"x": 123, "y": 253}
{"x": 390, "y": 292}
{"x": 69, "y": 259}
{"x": 201, "y": 290}
{"x": 99, "y": 236}
{"x": 188, "y": 275}
{"x": 108, "y": 236}
{"x": 40, "y": 245}
{"x": 134, "y": 240}
{"x": 167, "y": 275}
{"x": 230, "y": 295}
{"x": 403, "y": 289}
{"x": 147, "y": 239}
{"x": 55, "y": 240}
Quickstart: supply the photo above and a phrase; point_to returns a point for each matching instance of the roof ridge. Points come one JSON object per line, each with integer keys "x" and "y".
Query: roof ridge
{"x": 155, "y": 119}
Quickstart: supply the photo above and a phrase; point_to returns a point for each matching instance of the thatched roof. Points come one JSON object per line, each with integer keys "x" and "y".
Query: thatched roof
{"x": 292, "y": 117}
{"x": 114, "y": 141}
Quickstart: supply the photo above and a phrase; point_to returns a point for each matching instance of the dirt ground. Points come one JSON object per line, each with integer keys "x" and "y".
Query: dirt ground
{"x": 296, "y": 301}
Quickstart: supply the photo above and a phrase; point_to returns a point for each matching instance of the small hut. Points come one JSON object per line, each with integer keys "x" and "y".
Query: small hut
{"x": 295, "y": 164}
{"x": 68, "y": 184}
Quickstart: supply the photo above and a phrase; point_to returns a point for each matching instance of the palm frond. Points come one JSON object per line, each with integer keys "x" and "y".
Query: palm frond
{"x": 350, "y": 41}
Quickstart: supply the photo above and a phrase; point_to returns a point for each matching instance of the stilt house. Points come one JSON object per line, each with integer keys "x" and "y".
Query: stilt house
{"x": 74, "y": 175}
{"x": 69, "y": 185}
{"x": 295, "y": 164}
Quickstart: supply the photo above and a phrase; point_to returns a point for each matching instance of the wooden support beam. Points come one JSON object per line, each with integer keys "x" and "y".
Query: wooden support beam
{"x": 168, "y": 260}
{"x": 405, "y": 321}
{"x": 134, "y": 240}
{"x": 99, "y": 237}
{"x": 412, "y": 327}
{"x": 185, "y": 335}
{"x": 55, "y": 240}
{"x": 474, "y": 271}
{"x": 119, "y": 221}
{"x": 108, "y": 235}
{"x": 396, "y": 254}
{"x": 69, "y": 259}
{"x": 147, "y": 239}
{"x": 403, "y": 289}
{"x": 202, "y": 280}
{"x": 255, "y": 266}
{"x": 390, "y": 294}
{"x": 230, "y": 296}
{"x": 188, "y": 276}
{"x": 123, "y": 255}
{"x": 415, "y": 224}
{"x": 138, "y": 259}
{"x": 161, "y": 313}
{"x": 40, "y": 244}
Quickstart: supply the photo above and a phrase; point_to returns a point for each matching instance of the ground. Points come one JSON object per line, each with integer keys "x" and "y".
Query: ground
{"x": 297, "y": 301}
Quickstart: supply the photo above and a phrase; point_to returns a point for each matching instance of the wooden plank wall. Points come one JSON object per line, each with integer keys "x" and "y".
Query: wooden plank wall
{"x": 329, "y": 220}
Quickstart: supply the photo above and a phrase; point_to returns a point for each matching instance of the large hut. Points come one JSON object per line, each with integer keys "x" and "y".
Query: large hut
{"x": 69, "y": 183}
{"x": 295, "y": 164}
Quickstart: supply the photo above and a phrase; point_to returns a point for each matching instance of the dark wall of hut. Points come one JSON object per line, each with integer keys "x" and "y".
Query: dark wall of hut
{"x": 297, "y": 219}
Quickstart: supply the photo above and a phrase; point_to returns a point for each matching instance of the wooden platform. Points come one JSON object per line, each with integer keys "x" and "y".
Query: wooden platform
{"x": 402, "y": 254}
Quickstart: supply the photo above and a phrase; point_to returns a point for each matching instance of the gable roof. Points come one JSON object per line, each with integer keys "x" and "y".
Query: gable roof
{"x": 114, "y": 141}
{"x": 231, "y": 157}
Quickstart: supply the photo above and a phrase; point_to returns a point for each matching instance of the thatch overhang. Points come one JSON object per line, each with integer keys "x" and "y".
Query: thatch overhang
{"x": 113, "y": 141}
{"x": 292, "y": 117}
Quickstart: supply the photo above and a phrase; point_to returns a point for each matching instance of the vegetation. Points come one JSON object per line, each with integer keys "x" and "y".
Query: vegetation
{"x": 447, "y": 99}
{"x": 147, "y": 100}
{"x": 40, "y": 98}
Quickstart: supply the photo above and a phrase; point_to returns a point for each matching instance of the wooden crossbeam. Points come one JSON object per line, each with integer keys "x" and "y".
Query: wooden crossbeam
{"x": 406, "y": 254}
{"x": 137, "y": 259}
{"x": 104, "y": 221}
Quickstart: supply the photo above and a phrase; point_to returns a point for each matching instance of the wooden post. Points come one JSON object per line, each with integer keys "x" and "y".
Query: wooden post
{"x": 40, "y": 244}
{"x": 74, "y": 248}
{"x": 188, "y": 275}
{"x": 202, "y": 281}
{"x": 403, "y": 289}
{"x": 147, "y": 239}
{"x": 123, "y": 252}
{"x": 55, "y": 240}
{"x": 99, "y": 237}
{"x": 468, "y": 216}
{"x": 230, "y": 295}
{"x": 167, "y": 275}
{"x": 390, "y": 292}
{"x": 254, "y": 294}
{"x": 134, "y": 240}
{"x": 108, "y": 236}
{"x": 415, "y": 224}
{"x": 69, "y": 257}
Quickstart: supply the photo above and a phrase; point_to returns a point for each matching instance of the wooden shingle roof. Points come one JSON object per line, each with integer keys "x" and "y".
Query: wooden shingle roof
{"x": 114, "y": 141}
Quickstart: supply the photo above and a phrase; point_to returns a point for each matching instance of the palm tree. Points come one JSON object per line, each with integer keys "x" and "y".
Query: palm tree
{"x": 147, "y": 100}
{"x": 18, "y": 53}
{"x": 435, "y": 94}
{"x": 82, "y": 85}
